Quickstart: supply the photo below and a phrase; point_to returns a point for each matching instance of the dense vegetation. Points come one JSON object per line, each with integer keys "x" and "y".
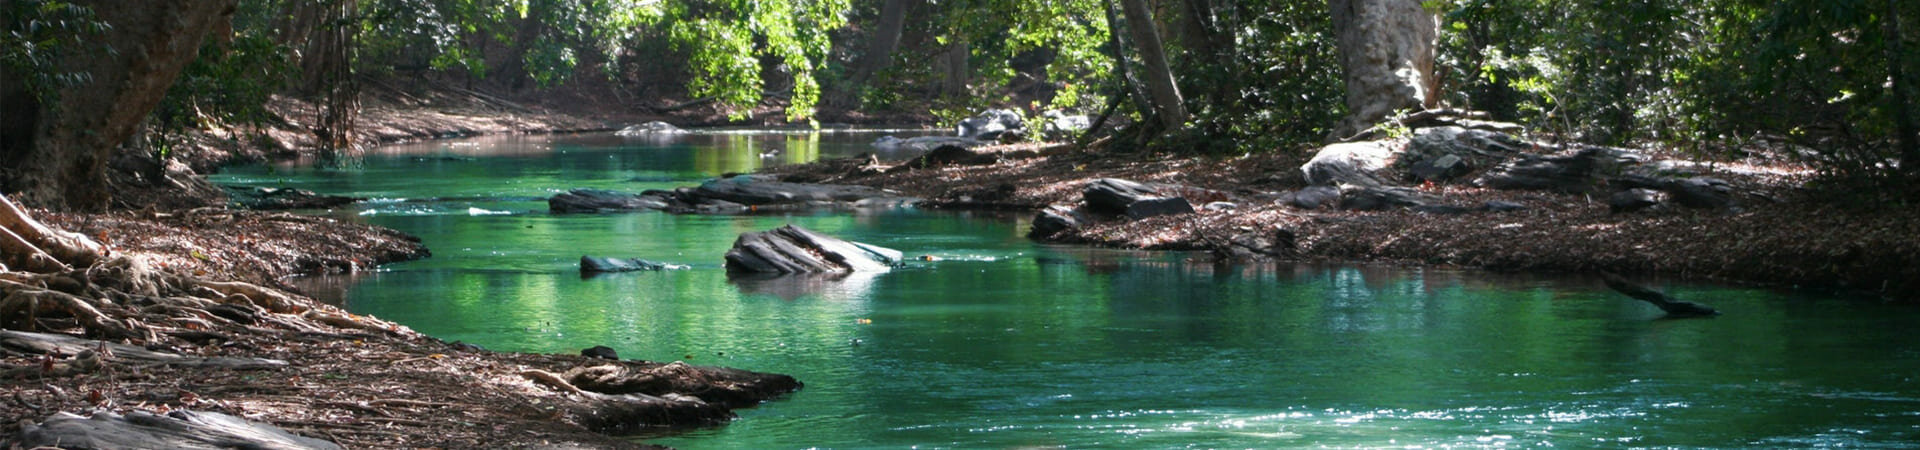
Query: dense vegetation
{"x": 1826, "y": 82}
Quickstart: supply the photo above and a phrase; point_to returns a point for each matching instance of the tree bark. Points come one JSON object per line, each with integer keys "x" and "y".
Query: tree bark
{"x": 1387, "y": 50}
{"x": 954, "y": 65}
{"x": 1167, "y": 102}
{"x": 62, "y": 165}
{"x": 1906, "y": 134}
{"x": 885, "y": 39}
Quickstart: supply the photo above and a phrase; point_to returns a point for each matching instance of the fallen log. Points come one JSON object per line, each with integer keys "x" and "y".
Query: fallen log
{"x": 1673, "y": 307}
{"x": 56, "y": 344}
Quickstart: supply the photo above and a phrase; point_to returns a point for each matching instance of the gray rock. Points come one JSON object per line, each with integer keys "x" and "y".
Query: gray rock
{"x": 649, "y": 129}
{"x": 594, "y": 264}
{"x": 890, "y": 144}
{"x": 1575, "y": 172}
{"x": 1159, "y": 206}
{"x": 1634, "y": 200}
{"x": 1349, "y": 163}
{"x": 1446, "y": 167}
{"x": 600, "y": 200}
{"x": 1502, "y": 206}
{"x": 1313, "y": 197}
{"x": 762, "y": 190}
{"x": 1053, "y": 220}
{"x": 791, "y": 249}
{"x": 1375, "y": 198}
{"x": 1702, "y": 192}
{"x": 990, "y": 124}
{"x": 1060, "y": 125}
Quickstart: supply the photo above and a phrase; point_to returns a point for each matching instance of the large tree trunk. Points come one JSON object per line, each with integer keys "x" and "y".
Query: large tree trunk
{"x": 1167, "y": 102}
{"x": 62, "y": 163}
{"x": 1386, "y": 48}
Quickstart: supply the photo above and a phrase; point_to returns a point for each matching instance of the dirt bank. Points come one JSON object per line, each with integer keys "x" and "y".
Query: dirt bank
{"x": 1786, "y": 237}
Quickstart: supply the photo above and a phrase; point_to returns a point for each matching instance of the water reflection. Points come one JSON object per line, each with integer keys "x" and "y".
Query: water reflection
{"x": 825, "y": 286}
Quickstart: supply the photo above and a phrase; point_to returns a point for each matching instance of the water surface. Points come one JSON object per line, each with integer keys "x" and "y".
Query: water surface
{"x": 999, "y": 342}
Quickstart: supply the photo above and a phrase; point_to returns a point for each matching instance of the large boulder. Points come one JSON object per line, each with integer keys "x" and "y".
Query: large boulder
{"x": 1134, "y": 199}
{"x": 791, "y": 249}
{"x": 989, "y": 125}
{"x": 1354, "y": 163}
{"x": 601, "y": 200}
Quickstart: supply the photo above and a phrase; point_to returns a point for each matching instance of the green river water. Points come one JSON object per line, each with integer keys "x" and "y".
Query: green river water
{"x": 1002, "y": 342}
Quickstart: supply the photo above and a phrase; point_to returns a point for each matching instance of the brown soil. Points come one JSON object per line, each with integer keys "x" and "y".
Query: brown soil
{"x": 1779, "y": 237}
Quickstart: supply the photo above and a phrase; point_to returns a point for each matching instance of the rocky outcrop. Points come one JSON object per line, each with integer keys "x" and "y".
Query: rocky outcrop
{"x": 1569, "y": 172}
{"x": 1349, "y": 163}
{"x": 1442, "y": 154}
{"x": 1057, "y": 125}
{"x": 175, "y": 429}
{"x": 790, "y": 250}
{"x": 593, "y": 265}
{"x": 731, "y": 195}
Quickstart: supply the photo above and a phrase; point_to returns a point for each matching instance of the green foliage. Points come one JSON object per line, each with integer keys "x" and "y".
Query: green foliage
{"x": 38, "y": 34}
{"x": 1260, "y": 76}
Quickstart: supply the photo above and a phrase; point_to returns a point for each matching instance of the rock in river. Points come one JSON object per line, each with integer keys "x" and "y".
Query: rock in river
{"x": 594, "y": 264}
{"x": 791, "y": 249}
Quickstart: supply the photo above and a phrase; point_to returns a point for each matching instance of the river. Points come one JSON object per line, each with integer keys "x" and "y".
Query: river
{"x": 995, "y": 341}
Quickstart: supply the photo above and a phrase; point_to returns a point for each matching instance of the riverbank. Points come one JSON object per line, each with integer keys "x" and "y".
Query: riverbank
{"x": 312, "y": 369}
{"x": 1784, "y": 236}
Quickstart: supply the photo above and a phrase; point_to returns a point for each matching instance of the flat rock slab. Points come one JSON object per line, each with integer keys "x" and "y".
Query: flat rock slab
{"x": 177, "y": 429}
{"x": 791, "y": 249}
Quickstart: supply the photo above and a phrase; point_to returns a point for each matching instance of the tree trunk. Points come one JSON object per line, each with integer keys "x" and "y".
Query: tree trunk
{"x": 1906, "y": 134}
{"x": 1167, "y": 102}
{"x": 62, "y": 163}
{"x": 954, "y": 66}
{"x": 885, "y": 39}
{"x": 1386, "y": 49}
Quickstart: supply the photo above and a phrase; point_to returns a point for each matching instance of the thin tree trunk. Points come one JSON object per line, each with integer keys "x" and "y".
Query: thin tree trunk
{"x": 1167, "y": 102}
{"x": 1907, "y": 134}
{"x": 957, "y": 71}
{"x": 1129, "y": 84}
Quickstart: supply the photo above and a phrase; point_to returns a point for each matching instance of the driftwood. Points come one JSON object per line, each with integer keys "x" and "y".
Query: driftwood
{"x": 177, "y": 429}
{"x": 1673, "y": 307}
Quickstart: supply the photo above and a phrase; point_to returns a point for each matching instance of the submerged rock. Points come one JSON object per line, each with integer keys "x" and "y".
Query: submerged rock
{"x": 791, "y": 249}
{"x": 731, "y": 195}
{"x": 592, "y": 264}
{"x": 266, "y": 198}
{"x": 601, "y": 200}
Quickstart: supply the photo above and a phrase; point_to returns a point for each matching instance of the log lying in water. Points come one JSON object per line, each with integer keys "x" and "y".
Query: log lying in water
{"x": 177, "y": 429}
{"x": 1673, "y": 307}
